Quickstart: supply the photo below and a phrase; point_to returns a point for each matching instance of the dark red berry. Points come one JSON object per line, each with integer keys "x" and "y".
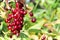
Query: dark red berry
{"x": 14, "y": 11}
{"x": 25, "y": 12}
{"x": 31, "y": 14}
{"x": 9, "y": 28}
{"x": 10, "y": 36}
{"x": 21, "y": 12}
{"x": 21, "y": 18}
{"x": 15, "y": 27}
{"x": 9, "y": 18}
{"x": 33, "y": 20}
{"x": 7, "y": 21}
{"x": 21, "y": 22}
{"x": 43, "y": 38}
{"x": 17, "y": 4}
{"x": 9, "y": 15}
{"x": 17, "y": 34}
{"x": 17, "y": 22}
{"x": 13, "y": 24}
{"x": 14, "y": 32}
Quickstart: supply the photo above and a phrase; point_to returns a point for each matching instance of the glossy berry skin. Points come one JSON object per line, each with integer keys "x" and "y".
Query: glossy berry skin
{"x": 16, "y": 19}
{"x": 43, "y": 38}
{"x": 25, "y": 12}
{"x": 21, "y": 18}
{"x": 33, "y": 20}
{"x": 15, "y": 27}
{"x": 9, "y": 28}
{"x": 31, "y": 14}
{"x": 7, "y": 21}
{"x": 14, "y": 32}
{"x": 14, "y": 11}
{"x": 17, "y": 34}
{"x": 17, "y": 4}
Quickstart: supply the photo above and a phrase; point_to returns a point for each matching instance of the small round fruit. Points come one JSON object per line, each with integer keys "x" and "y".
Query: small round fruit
{"x": 31, "y": 14}
{"x": 7, "y": 21}
{"x": 14, "y": 32}
{"x": 14, "y": 11}
{"x": 9, "y": 28}
{"x": 17, "y": 34}
{"x": 33, "y": 20}
{"x": 17, "y": 4}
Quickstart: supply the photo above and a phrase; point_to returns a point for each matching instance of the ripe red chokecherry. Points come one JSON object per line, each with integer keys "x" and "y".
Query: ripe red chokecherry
{"x": 17, "y": 4}
{"x": 17, "y": 15}
{"x": 14, "y": 32}
{"x": 13, "y": 24}
{"x": 15, "y": 27}
{"x": 21, "y": 18}
{"x": 33, "y": 20}
{"x": 14, "y": 11}
{"x": 7, "y": 21}
{"x": 43, "y": 38}
{"x": 9, "y": 18}
{"x": 21, "y": 12}
{"x": 17, "y": 22}
{"x": 9, "y": 15}
{"x": 9, "y": 28}
{"x": 17, "y": 34}
{"x": 31, "y": 14}
{"x": 16, "y": 19}
{"x": 25, "y": 12}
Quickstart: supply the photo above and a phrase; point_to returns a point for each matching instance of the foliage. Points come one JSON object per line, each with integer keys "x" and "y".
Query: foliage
{"x": 47, "y": 15}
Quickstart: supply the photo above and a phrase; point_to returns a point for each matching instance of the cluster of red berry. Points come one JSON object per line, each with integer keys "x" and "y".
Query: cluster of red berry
{"x": 16, "y": 18}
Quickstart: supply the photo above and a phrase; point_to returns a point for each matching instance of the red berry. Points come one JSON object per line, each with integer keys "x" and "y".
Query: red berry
{"x": 17, "y": 4}
{"x": 25, "y": 12}
{"x": 17, "y": 34}
{"x": 21, "y": 18}
{"x": 16, "y": 16}
{"x": 17, "y": 22}
{"x": 43, "y": 38}
{"x": 10, "y": 36}
{"x": 21, "y": 15}
{"x": 9, "y": 28}
{"x": 9, "y": 15}
{"x": 21, "y": 12}
{"x": 9, "y": 18}
{"x": 21, "y": 22}
{"x": 14, "y": 32}
{"x": 7, "y": 21}
{"x": 13, "y": 24}
{"x": 33, "y": 20}
{"x": 31, "y": 14}
{"x": 17, "y": 9}
{"x": 15, "y": 27}
{"x": 14, "y": 11}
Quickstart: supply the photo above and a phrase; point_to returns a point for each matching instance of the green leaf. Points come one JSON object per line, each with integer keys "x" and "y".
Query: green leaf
{"x": 34, "y": 30}
{"x": 22, "y": 35}
{"x": 31, "y": 5}
{"x": 1, "y": 38}
{"x": 4, "y": 25}
{"x": 12, "y": 4}
{"x": 38, "y": 25}
{"x": 1, "y": 26}
{"x": 6, "y": 37}
{"x": 37, "y": 1}
{"x": 1, "y": 19}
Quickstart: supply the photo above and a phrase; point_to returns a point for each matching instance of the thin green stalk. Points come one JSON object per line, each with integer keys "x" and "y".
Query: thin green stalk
{"x": 35, "y": 7}
{"x": 53, "y": 14}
